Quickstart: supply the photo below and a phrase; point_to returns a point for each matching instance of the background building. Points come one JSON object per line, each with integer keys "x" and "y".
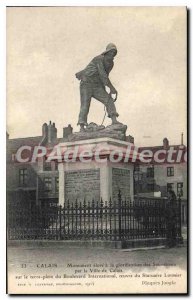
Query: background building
{"x": 30, "y": 183}
{"x": 154, "y": 180}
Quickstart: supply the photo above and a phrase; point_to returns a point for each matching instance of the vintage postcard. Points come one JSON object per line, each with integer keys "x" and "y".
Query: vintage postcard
{"x": 96, "y": 150}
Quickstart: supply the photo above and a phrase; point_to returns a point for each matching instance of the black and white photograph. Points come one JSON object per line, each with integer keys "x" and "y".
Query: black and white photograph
{"x": 96, "y": 150}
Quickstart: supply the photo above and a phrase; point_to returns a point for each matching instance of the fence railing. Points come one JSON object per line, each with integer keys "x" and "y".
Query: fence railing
{"x": 118, "y": 220}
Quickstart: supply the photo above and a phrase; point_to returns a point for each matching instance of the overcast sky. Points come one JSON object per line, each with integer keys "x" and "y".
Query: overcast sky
{"x": 46, "y": 46}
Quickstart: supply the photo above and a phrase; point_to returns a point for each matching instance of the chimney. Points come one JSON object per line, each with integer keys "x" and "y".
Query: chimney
{"x": 52, "y": 132}
{"x": 182, "y": 138}
{"x": 67, "y": 131}
{"x": 44, "y": 134}
{"x": 55, "y": 130}
{"x": 165, "y": 143}
{"x": 44, "y": 130}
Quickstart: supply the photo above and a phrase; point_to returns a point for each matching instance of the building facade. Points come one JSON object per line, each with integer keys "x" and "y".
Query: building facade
{"x": 32, "y": 183}
{"x": 156, "y": 179}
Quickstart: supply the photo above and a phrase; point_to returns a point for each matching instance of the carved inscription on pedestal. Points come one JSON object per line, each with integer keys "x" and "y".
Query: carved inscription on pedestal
{"x": 82, "y": 184}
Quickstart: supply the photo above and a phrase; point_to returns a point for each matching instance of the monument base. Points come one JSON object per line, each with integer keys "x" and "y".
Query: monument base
{"x": 93, "y": 175}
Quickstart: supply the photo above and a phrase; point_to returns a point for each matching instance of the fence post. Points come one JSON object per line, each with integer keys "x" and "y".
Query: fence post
{"x": 60, "y": 222}
{"x": 180, "y": 221}
{"x": 119, "y": 212}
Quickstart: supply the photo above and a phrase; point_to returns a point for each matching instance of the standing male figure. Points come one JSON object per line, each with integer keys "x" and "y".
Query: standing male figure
{"x": 94, "y": 78}
{"x": 171, "y": 219}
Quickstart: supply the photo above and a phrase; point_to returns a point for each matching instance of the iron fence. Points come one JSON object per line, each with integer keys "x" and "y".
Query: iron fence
{"x": 112, "y": 220}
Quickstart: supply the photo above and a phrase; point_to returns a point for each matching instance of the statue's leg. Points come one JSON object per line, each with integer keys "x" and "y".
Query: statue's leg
{"x": 101, "y": 95}
{"x": 85, "y": 98}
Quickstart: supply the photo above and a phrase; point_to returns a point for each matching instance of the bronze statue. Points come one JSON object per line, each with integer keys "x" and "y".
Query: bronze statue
{"x": 93, "y": 80}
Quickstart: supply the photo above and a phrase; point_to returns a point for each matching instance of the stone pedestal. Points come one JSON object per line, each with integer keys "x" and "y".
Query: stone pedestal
{"x": 92, "y": 175}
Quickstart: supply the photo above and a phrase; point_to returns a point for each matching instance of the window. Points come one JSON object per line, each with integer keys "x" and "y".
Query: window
{"x": 150, "y": 172}
{"x": 56, "y": 166}
{"x": 170, "y": 187}
{"x": 47, "y": 184}
{"x": 53, "y": 204}
{"x": 180, "y": 189}
{"x": 47, "y": 166}
{"x": 137, "y": 173}
{"x": 150, "y": 187}
{"x": 57, "y": 184}
{"x": 170, "y": 171}
{"x": 23, "y": 176}
{"x": 136, "y": 168}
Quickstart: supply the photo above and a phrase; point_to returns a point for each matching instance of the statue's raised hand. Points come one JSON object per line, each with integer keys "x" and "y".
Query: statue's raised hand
{"x": 114, "y": 95}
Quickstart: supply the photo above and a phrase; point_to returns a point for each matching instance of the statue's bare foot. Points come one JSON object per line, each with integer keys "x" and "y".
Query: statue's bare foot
{"x": 114, "y": 120}
{"x": 82, "y": 129}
